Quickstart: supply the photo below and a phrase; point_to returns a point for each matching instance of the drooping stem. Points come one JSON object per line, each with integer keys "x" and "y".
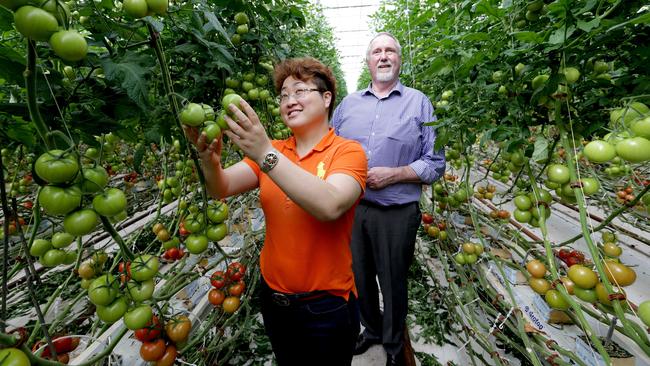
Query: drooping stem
{"x": 32, "y": 105}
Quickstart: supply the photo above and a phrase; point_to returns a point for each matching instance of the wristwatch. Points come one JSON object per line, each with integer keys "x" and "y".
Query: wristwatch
{"x": 270, "y": 161}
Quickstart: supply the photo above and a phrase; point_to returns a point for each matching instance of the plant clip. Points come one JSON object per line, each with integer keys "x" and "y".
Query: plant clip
{"x": 550, "y": 359}
{"x": 616, "y": 296}
{"x": 20, "y": 335}
{"x": 550, "y": 344}
{"x": 577, "y": 184}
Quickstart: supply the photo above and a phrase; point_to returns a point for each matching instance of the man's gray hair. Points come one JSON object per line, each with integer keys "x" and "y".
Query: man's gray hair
{"x": 399, "y": 46}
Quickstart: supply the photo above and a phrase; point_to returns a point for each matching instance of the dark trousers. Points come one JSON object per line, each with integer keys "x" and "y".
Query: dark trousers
{"x": 383, "y": 245}
{"x": 318, "y": 331}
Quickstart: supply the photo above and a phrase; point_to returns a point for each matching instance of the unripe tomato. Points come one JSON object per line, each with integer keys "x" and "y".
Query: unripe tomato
{"x": 229, "y": 99}
{"x": 69, "y": 45}
{"x": 634, "y": 149}
{"x": 589, "y": 296}
{"x": 230, "y": 304}
{"x": 539, "y": 81}
{"x": 619, "y": 274}
{"x": 536, "y": 268}
{"x": 135, "y": 8}
{"x": 193, "y": 115}
{"x": 612, "y": 250}
{"x": 599, "y": 151}
{"x": 241, "y": 18}
{"x": 558, "y": 173}
{"x": 555, "y": 300}
{"x": 644, "y": 312}
{"x": 242, "y": 29}
{"x": 571, "y": 74}
{"x": 35, "y": 23}
{"x": 158, "y": 6}
{"x": 539, "y": 285}
{"x": 582, "y": 276}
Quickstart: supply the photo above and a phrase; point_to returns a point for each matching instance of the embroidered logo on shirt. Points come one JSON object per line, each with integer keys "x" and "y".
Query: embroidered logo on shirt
{"x": 320, "y": 170}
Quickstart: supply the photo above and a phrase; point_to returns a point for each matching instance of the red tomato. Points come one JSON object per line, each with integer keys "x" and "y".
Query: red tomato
{"x": 149, "y": 332}
{"x": 153, "y": 351}
{"x": 427, "y": 218}
{"x": 218, "y": 279}
{"x": 579, "y": 255}
{"x": 236, "y": 271}
{"x": 572, "y": 260}
{"x": 216, "y": 297}
{"x": 237, "y": 288}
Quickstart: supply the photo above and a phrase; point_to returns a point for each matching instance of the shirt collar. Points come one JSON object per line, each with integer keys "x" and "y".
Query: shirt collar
{"x": 324, "y": 143}
{"x": 398, "y": 88}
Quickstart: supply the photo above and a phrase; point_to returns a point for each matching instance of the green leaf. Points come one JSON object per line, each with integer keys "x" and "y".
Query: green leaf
{"x": 560, "y": 35}
{"x": 442, "y": 137}
{"x": 157, "y": 25}
{"x": 6, "y": 19}
{"x": 540, "y": 154}
{"x": 527, "y": 36}
{"x": 436, "y": 65}
{"x": 588, "y": 26}
{"x": 213, "y": 23}
{"x": 484, "y": 7}
{"x": 129, "y": 72}
{"x": 478, "y": 36}
{"x": 642, "y": 19}
{"x": 13, "y": 65}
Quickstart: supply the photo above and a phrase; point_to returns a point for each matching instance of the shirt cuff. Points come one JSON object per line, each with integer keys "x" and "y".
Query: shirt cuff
{"x": 420, "y": 168}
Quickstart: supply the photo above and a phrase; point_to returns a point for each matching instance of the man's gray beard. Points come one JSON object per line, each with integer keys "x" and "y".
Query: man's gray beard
{"x": 385, "y": 76}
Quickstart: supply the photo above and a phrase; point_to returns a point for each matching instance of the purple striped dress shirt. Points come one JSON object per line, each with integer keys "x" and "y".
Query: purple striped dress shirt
{"x": 392, "y": 133}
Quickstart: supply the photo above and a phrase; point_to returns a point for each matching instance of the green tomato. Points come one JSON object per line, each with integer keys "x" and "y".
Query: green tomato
{"x": 80, "y": 222}
{"x": 69, "y": 45}
{"x": 221, "y": 121}
{"x": 135, "y": 8}
{"x": 587, "y": 295}
{"x": 634, "y": 149}
{"x": 40, "y": 247}
{"x": 194, "y": 222}
{"x": 497, "y": 76}
{"x": 144, "y": 267}
{"x": 193, "y": 115}
{"x": 70, "y": 258}
{"x": 94, "y": 179}
{"x": 235, "y": 39}
{"x": 599, "y": 151}
{"x": 217, "y": 232}
{"x": 590, "y": 186}
{"x": 555, "y": 300}
{"x": 643, "y": 311}
{"x": 138, "y": 317}
{"x": 140, "y": 291}
{"x": 53, "y": 257}
{"x": 113, "y": 311}
{"x": 249, "y": 76}
{"x": 241, "y": 18}
{"x": 247, "y": 86}
{"x": 522, "y": 216}
{"x": 262, "y": 80}
{"x": 460, "y": 258}
{"x": 103, "y": 290}
{"x": 62, "y": 239}
{"x": 208, "y": 111}
{"x": 158, "y": 6}
{"x": 196, "y": 243}
{"x": 242, "y": 29}
{"x": 212, "y": 132}
{"x": 571, "y": 74}
{"x": 641, "y": 127}
{"x": 539, "y": 81}
{"x": 232, "y": 83}
{"x": 523, "y": 203}
{"x": 218, "y": 212}
{"x": 582, "y": 276}
{"x": 35, "y": 23}
{"x": 13, "y": 357}
{"x": 171, "y": 243}
{"x": 110, "y": 203}
{"x": 57, "y": 166}
{"x": 558, "y": 173}
{"x": 254, "y": 94}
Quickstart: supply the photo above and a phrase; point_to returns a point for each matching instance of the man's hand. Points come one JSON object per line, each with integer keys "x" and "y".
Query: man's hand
{"x": 380, "y": 177}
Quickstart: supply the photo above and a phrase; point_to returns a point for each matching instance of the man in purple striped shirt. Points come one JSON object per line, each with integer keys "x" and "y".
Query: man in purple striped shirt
{"x": 388, "y": 119}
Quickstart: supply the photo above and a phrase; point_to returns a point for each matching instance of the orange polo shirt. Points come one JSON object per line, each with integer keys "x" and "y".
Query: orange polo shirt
{"x": 300, "y": 253}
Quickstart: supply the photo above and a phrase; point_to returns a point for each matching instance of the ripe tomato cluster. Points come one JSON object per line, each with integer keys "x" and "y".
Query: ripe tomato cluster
{"x": 159, "y": 344}
{"x": 63, "y": 345}
{"x": 228, "y": 287}
{"x": 433, "y": 229}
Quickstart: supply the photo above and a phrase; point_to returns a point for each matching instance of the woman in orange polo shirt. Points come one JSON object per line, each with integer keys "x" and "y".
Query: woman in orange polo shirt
{"x": 309, "y": 186}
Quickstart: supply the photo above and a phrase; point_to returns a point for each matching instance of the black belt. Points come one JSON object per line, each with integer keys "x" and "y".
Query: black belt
{"x": 282, "y": 299}
{"x": 376, "y": 205}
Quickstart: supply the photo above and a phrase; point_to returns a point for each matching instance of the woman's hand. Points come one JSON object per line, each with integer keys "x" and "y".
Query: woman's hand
{"x": 247, "y": 132}
{"x": 208, "y": 152}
